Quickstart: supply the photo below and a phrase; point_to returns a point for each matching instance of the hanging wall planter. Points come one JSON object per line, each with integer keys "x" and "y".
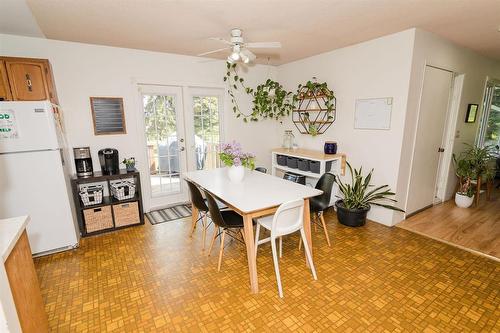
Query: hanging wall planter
{"x": 315, "y": 108}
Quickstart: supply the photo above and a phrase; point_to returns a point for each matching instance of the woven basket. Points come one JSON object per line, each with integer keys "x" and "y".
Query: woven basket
{"x": 126, "y": 214}
{"x": 98, "y": 218}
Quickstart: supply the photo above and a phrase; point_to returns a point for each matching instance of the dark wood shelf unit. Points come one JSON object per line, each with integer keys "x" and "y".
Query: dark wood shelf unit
{"x": 107, "y": 200}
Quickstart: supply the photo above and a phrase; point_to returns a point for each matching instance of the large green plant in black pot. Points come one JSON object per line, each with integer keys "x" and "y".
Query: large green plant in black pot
{"x": 358, "y": 196}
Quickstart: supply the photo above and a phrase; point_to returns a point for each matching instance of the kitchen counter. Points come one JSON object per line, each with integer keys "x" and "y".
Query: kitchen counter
{"x": 21, "y": 304}
{"x": 10, "y": 231}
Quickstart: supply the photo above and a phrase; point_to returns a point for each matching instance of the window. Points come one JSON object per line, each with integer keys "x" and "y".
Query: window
{"x": 489, "y": 133}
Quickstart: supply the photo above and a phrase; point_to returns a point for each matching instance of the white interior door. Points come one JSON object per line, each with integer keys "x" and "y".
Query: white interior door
{"x": 164, "y": 130}
{"x": 429, "y": 145}
{"x": 204, "y": 127}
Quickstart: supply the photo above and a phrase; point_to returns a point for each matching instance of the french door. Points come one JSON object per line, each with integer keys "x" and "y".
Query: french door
{"x": 182, "y": 128}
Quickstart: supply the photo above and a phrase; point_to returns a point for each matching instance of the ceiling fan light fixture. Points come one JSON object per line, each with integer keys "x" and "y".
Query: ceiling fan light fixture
{"x": 244, "y": 58}
{"x": 235, "y": 56}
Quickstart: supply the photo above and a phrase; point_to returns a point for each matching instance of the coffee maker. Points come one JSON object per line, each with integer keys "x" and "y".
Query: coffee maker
{"x": 83, "y": 162}
{"x": 108, "y": 157}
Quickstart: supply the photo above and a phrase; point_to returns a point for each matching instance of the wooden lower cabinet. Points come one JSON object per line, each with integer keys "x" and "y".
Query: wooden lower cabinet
{"x": 25, "y": 288}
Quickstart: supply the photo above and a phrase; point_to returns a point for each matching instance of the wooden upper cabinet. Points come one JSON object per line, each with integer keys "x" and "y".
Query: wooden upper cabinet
{"x": 5, "y": 94}
{"x": 29, "y": 79}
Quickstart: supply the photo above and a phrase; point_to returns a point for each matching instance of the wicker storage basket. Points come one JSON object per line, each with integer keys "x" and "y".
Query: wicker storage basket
{"x": 98, "y": 218}
{"x": 122, "y": 190}
{"x": 91, "y": 194}
{"x": 126, "y": 214}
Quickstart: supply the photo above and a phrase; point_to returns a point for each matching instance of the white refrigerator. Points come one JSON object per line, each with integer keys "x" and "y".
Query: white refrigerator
{"x": 35, "y": 174}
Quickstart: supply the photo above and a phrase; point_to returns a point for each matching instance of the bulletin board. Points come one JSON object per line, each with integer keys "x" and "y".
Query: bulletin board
{"x": 374, "y": 113}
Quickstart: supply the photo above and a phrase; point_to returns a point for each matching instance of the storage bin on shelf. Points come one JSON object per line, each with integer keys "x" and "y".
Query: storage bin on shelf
{"x": 126, "y": 214}
{"x": 303, "y": 164}
{"x": 281, "y": 159}
{"x": 91, "y": 194}
{"x": 122, "y": 189}
{"x": 97, "y": 219}
{"x": 291, "y": 162}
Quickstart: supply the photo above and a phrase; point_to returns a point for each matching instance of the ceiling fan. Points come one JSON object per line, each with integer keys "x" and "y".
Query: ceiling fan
{"x": 239, "y": 49}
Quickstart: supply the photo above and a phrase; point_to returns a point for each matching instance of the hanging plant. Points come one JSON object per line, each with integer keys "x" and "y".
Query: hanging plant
{"x": 270, "y": 100}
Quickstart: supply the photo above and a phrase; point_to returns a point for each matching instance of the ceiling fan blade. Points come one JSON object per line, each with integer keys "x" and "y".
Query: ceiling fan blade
{"x": 214, "y": 51}
{"x": 222, "y": 40}
{"x": 264, "y": 45}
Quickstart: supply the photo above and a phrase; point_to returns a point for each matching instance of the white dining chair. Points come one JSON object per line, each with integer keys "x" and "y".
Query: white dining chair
{"x": 288, "y": 219}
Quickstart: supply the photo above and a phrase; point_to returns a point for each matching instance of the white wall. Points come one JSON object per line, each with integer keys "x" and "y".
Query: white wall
{"x": 377, "y": 68}
{"x": 430, "y": 49}
{"x": 84, "y": 70}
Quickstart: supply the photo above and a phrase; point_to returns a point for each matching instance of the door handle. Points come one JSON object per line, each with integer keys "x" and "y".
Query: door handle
{"x": 181, "y": 140}
{"x": 440, "y": 150}
{"x": 182, "y": 149}
{"x": 28, "y": 83}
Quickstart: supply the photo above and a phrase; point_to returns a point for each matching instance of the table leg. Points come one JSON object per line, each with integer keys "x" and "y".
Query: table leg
{"x": 307, "y": 227}
{"x": 194, "y": 217}
{"x": 252, "y": 264}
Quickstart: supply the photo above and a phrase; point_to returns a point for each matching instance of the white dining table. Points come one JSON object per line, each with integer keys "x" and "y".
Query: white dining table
{"x": 259, "y": 194}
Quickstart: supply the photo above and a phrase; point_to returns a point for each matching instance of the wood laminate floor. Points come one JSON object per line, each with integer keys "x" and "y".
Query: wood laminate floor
{"x": 474, "y": 228}
{"x": 372, "y": 279}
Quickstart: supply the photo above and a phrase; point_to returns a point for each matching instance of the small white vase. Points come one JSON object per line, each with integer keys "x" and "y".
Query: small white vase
{"x": 463, "y": 201}
{"x": 236, "y": 173}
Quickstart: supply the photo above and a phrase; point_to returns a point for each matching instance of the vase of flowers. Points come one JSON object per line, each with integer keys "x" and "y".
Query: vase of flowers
{"x": 232, "y": 156}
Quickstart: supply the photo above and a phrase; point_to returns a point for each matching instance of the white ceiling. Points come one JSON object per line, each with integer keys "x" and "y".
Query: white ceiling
{"x": 304, "y": 27}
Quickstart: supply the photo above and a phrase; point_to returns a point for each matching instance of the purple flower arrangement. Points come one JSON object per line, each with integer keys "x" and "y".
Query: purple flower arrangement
{"x": 231, "y": 154}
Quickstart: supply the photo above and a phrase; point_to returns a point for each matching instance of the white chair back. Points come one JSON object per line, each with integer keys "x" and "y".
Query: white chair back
{"x": 288, "y": 218}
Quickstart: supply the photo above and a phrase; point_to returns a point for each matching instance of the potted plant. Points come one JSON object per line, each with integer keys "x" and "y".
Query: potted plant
{"x": 129, "y": 164}
{"x": 464, "y": 197}
{"x": 231, "y": 155}
{"x": 358, "y": 197}
{"x": 472, "y": 166}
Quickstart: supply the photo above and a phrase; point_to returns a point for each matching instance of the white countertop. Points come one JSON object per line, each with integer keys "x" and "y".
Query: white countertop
{"x": 257, "y": 191}
{"x": 10, "y": 231}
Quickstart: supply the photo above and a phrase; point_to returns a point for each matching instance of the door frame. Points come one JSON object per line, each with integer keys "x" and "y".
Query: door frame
{"x": 136, "y": 82}
{"x": 449, "y": 132}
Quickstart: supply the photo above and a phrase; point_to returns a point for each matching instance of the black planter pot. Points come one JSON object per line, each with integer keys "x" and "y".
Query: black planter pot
{"x": 351, "y": 218}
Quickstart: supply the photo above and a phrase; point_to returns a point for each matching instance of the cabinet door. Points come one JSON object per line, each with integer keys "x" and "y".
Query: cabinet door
{"x": 5, "y": 94}
{"x": 27, "y": 80}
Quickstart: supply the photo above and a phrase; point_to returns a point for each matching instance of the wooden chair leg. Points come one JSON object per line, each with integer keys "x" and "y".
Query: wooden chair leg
{"x": 324, "y": 229}
{"x": 193, "y": 225}
{"x": 204, "y": 231}
{"x": 300, "y": 244}
{"x": 221, "y": 251}
{"x": 216, "y": 231}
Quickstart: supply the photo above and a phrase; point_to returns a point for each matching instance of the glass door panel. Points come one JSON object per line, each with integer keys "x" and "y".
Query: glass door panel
{"x": 206, "y": 107}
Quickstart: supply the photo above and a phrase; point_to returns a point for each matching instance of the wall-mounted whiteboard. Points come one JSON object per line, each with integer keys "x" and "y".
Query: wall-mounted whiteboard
{"x": 374, "y": 113}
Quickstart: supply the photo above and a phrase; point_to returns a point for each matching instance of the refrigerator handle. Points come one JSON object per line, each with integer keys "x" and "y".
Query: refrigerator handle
{"x": 62, "y": 156}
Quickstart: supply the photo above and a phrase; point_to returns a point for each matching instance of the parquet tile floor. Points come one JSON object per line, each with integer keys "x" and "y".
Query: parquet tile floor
{"x": 372, "y": 279}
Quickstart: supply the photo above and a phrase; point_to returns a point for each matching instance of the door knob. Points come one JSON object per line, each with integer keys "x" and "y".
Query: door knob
{"x": 440, "y": 150}
{"x": 182, "y": 149}
{"x": 181, "y": 140}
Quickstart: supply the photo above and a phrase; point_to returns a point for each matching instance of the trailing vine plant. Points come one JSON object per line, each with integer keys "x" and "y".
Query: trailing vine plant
{"x": 270, "y": 100}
